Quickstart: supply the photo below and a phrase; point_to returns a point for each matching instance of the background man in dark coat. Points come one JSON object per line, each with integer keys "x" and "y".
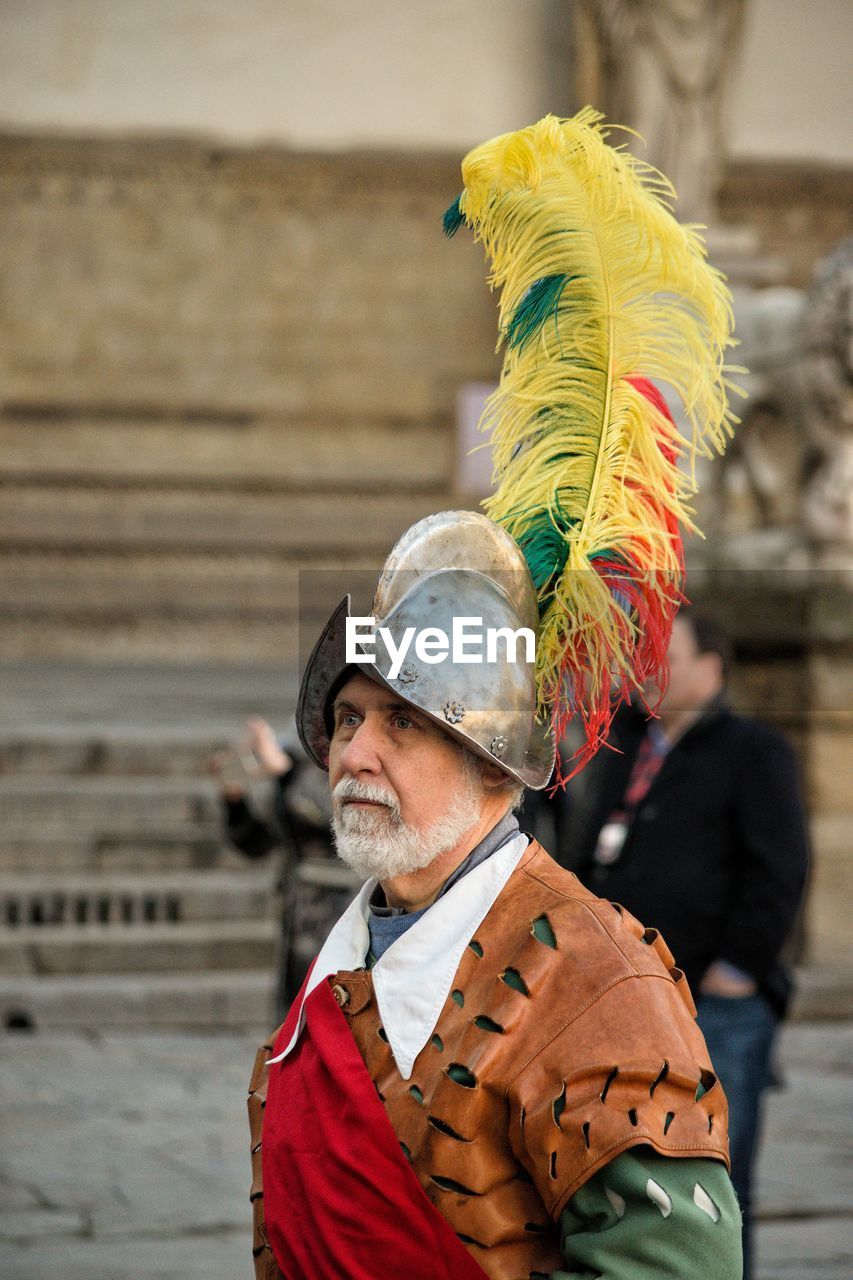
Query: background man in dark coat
{"x": 696, "y": 825}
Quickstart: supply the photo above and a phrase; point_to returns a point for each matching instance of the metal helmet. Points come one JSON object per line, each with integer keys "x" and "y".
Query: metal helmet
{"x": 457, "y": 564}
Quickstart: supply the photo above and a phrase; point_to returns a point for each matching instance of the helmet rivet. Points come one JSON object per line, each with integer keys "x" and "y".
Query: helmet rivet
{"x": 408, "y": 674}
{"x": 454, "y": 712}
{"x": 499, "y": 745}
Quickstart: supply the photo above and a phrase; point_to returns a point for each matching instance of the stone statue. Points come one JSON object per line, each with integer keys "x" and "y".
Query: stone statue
{"x": 827, "y": 368}
{"x": 664, "y": 67}
{"x": 789, "y": 471}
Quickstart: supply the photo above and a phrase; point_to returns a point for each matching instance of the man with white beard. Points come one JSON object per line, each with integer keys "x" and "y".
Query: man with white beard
{"x": 490, "y": 1072}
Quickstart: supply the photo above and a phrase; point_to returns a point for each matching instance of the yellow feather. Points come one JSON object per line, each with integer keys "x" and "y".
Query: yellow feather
{"x": 571, "y": 435}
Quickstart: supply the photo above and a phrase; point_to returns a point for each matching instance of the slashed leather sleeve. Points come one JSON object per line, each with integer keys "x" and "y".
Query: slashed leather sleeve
{"x": 630, "y": 1068}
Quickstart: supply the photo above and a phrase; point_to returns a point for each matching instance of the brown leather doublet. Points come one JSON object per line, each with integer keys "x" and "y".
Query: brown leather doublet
{"x": 568, "y": 1037}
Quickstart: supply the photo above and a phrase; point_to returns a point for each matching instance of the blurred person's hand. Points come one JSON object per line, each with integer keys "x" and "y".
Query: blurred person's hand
{"x": 230, "y": 773}
{"x": 261, "y": 741}
{"x": 258, "y": 755}
{"x": 723, "y": 979}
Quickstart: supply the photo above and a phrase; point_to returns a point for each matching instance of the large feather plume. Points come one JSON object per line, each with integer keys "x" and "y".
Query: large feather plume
{"x": 602, "y": 290}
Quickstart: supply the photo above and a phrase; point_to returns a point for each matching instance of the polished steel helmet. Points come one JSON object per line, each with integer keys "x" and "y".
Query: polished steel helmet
{"x": 455, "y": 565}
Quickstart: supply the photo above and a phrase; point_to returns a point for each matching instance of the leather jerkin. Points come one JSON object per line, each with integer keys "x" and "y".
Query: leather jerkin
{"x": 568, "y": 1037}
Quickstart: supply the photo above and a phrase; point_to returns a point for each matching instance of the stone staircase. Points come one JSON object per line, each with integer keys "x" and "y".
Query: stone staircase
{"x": 157, "y": 570}
{"x": 138, "y": 542}
{"x": 120, "y": 906}
{"x": 190, "y": 424}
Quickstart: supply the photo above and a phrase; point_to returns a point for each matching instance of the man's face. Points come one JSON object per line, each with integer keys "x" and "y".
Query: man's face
{"x": 402, "y": 791}
{"x": 694, "y": 677}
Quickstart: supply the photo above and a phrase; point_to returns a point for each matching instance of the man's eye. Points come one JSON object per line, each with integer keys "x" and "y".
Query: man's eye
{"x": 347, "y": 719}
{"x": 403, "y": 722}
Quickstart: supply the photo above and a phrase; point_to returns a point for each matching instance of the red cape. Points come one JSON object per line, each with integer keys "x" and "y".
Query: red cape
{"x": 340, "y": 1197}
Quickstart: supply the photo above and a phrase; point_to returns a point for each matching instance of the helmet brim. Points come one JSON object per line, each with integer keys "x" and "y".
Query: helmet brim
{"x": 324, "y": 673}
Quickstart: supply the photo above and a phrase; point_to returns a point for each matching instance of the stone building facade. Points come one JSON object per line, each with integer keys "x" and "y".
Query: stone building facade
{"x": 226, "y": 363}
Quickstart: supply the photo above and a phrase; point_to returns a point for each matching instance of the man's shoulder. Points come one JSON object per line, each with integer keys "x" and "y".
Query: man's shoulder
{"x": 588, "y": 933}
{"x": 728, "y": 725}
{"x": 600, "y": 986}
{"x": 757, "y": 734}
{"x": 557, "y": 888}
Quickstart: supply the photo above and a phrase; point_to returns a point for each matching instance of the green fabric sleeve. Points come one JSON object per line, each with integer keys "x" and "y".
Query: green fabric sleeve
{"x": 650, "y": 1217}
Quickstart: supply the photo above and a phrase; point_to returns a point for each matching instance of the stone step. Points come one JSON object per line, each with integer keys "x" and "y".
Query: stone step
{"x": 131, "y": 638}
{"x": 111, "y": 823}
{"x": 105, "y": 806}
{"x": 133, "y": 751}
{"x": 177, "y": 583}
{"x": 142, "y": 750}
{"x": 181, "y": 519}
{"x": 267, "y": 452}
{"x": 224, "y": 999}
{"x": 43, "y": 853}
{"x": 137, "y": 948}
{"x": 100, "y": 697}
{"x": 72, "y": 899}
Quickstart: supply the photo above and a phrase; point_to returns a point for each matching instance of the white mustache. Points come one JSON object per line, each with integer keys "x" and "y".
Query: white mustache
{"x": 353, "y": 789}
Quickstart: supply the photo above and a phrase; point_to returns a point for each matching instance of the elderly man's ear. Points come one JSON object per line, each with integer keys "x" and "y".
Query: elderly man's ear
{"x": 494, "y": 778}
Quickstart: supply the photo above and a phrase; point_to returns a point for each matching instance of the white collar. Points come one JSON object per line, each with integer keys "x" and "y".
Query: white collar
{"x": 412, "y": 979}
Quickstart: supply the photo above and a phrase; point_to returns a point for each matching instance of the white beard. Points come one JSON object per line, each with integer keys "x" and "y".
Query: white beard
{"x": 377, "y": 842}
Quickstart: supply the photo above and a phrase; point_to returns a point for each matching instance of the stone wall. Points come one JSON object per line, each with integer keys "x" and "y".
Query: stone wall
{"x": 211, "y": 360}
{"x": 798, "y": 211}
{"x": 220, "y": 366}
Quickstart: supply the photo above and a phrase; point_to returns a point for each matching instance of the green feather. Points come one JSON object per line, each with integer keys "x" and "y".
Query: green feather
{"x": 545, "y": 546}
{"x": 540, "y": 301}
{"x": 453, "y": 218}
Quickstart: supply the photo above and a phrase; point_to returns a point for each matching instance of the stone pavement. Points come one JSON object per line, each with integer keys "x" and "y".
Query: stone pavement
{"x": 125, "y": 1155}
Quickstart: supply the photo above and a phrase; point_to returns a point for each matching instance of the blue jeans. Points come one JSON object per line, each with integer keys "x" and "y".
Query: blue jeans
{"x": 739, "y": 1033}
